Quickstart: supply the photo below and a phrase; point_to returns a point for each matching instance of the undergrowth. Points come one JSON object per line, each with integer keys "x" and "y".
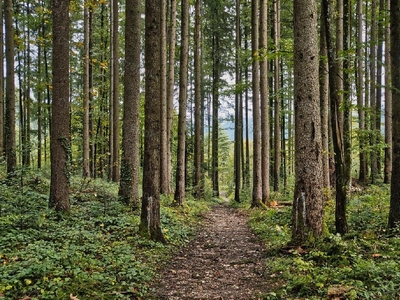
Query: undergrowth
{"x": 363, "y": 264}
{"x": 94, "y": 252}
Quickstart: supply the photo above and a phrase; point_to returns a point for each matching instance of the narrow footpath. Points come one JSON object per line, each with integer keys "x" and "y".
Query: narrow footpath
{"x": 223, "y": 261}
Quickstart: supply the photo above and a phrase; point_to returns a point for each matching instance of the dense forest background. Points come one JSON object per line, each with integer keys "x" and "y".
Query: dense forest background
{"x": 134, "y": 96}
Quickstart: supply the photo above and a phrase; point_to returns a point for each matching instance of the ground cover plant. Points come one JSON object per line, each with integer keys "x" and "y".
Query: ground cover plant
{"x": 94, "y": 252}
{"x": 363, "y": 264}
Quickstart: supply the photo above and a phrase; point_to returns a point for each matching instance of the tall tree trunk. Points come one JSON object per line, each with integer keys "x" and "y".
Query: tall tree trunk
{"x": 238, "y": 108}
{"x": 246, "y": 169}
{"x": 215, "y": 108}
{"x": 198, "y": 120}
{"x": 165, "y": 176}
{"x": 277, "y": 142}
{"x": 1, "y": 86}
{"x": 307, "y": 213}
{"x": 336, "y": 98}
{"x": 264, "y": 102}
{"x": 257, "y": 172}
{"x": 129, "y": 181}
{"x": 115, "y": 94}
{"x": 324, "y": 92}
{"x": 9, "y": 126}
{"x": 150, "y": 224}
{"x": 183, "y": 82}
{"x": 360, "y": 93}
{"x": 39, "y": 95}
{"x": 60, "y": 130}
{"x": 388, "y": 102}
{"x": 394, "y": 213}
{"x": 379, "y": 85}
{"x": 171, "y": 85}
{"x": 372, "y": 95}
{"x": 86, "y": 63}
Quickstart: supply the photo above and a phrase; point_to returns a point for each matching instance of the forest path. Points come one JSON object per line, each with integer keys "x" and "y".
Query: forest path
{"x": 223, "y": 261}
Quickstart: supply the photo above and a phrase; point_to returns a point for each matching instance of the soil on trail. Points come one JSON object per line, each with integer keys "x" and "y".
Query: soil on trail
{"x": 224, "y": 261}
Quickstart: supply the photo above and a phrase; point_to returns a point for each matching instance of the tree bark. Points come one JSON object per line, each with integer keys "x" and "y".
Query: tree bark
{"x": 388, "y": 102}
{"x": 394, "y": 213}
{"x": 60, "y": 130}
{"x": 129, "y": 181}
{"x": 171, "y": 85}
{"x": 307, "y": 213}
{"x": 86, "y": 63}
{"x": 183, "y": 82}
{"x": 264, "y": 101}
{"x": 198, "y": 120}
{"x": 165, "y": 176}
{"x": 238, "y": 106}
{"x": 324, "y": 92}
{"x": 257, "y": 172}
{"x": 342, "y": 175}
{"x": 9, "y": 126}
{"x": 277, "y": 118}
{"x": 360, "y": 93}
{"x": 150, "y": 224}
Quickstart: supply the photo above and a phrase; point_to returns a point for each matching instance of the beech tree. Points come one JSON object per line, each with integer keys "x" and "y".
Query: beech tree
{"x": 307, "y": 214}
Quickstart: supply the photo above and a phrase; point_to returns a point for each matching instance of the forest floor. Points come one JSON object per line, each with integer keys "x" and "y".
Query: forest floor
{"x": 225, "y": 260}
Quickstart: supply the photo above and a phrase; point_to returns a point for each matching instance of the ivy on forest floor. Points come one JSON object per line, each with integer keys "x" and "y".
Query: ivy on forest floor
{"x": 363, "y": 264}
{"x": 92, "y": 253}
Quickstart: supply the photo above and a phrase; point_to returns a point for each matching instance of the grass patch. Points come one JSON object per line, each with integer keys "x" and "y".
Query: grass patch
{"x": 94, "y": 252}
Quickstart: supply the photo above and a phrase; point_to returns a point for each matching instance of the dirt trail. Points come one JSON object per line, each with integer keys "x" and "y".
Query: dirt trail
{"x": 224, "y": 261}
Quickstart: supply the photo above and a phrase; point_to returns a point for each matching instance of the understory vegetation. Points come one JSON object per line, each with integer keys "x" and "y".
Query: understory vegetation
{"x": 94, "y": 252}
{"x": 362, "y": 264}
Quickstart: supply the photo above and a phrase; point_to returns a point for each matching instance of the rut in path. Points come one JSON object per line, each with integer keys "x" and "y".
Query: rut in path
{"x": 224, "y": 261}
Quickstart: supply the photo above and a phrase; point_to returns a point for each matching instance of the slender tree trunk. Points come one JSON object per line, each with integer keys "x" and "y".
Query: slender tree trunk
{"x": 198, "y": 120}
{"x": 86, "y": 63}
{"x": 238, "y": 108}
{"x": 114, "y": 130}
{"x": 60, "y": 130}
{"x": 264, "y": 101}
{"x": 1, "y": 86}
{"x": 183, "y": 82}
{"x": 129, "y": 181}
{"x": 388, "y": 102}
{"x": 307, "y": 213}
{"x": 277, "y": 142}
{"x": 394, "y": 213}
{"x": 372, "y": 95}
{"x": 360, "y": 93}
{"x": 165, "y": 176}
{"x": 39, "y": 94}
{"x": 150, "y": 224}
{"x": 215, "y": 108}
{"x": 171, "y": 85}
{"x": 336, "y": 97}
{"x": 324, "y": 92}
{"x": 257, "y": 172}
{"x": 9, "y": 127}
{"x": 379, "y": 86}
